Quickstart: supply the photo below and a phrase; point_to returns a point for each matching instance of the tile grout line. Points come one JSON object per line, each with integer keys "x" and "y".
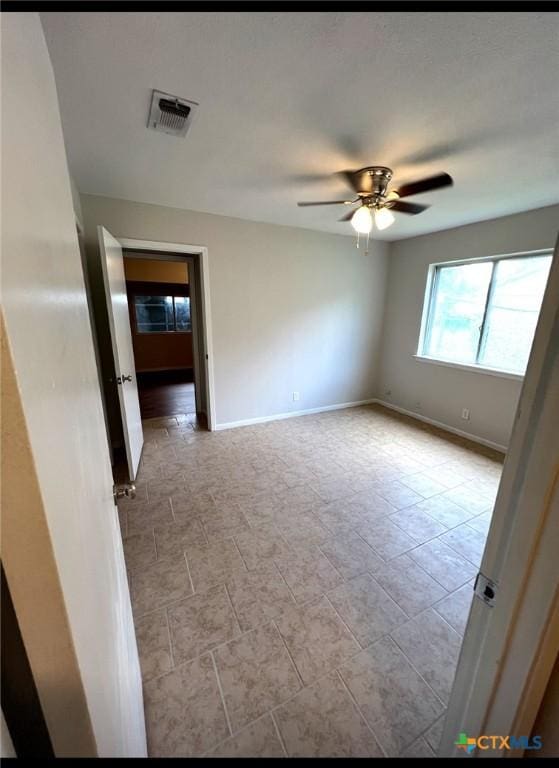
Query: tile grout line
{"x": 432, "y": 608}
{"x": 170, "y": 639}
{"x": 358, "y": 708}
{"x": 233, "y": 609}
{"x": 188, "y": 571}
{"x": 316, "y": 680}
{"x": 449, "y": 591}
{"x": 384, "y": 560}
{"x": 232, "y": 538}
{"x": 422, "y": 734}
{"x": 236, "y": 733}
{"x": 155, "y": 544}
{"x": 163, "y": 607}
{"x": 342, "y": 620}
{"x": 276, "y": 566}
{"x": 278, "y": 732}
{"x": 221, "y": 692}
{"x": 292, "y": 660}
{"x": 340, "y": 574}
{"x": 412, "y": 665}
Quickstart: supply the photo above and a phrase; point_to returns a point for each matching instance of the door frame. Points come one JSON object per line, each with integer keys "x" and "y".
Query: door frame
{"x": 509, "y": 649}
{"x": 164, "y": 250}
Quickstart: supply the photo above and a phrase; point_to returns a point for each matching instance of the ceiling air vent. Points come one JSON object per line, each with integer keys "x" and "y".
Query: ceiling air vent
{"x": 170, "y": 114}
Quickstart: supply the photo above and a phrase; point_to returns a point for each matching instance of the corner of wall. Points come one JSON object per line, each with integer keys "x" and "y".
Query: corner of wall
{"x": 387, "y": 254}
{"x": 77, "y": 203}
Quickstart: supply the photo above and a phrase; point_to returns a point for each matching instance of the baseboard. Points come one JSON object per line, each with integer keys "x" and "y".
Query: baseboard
{"x": 441, "y": 425}
{"x": 356, "y": 403}
{"x": 291, "y": 414}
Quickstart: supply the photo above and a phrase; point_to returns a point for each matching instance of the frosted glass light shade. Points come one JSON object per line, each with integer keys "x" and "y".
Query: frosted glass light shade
{"x": 383, "y": 218}
{"x": 362, "y": 221}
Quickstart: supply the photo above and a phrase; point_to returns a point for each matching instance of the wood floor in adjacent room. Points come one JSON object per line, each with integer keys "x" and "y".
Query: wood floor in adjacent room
{"x": 166, "y": 393}
{"x": 301, "y": 587}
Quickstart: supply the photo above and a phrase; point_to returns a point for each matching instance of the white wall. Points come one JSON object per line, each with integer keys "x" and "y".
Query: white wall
{"x": 291, "y": 309}
{"x": 49, "y": 334}
{"x": 440, "y": 392}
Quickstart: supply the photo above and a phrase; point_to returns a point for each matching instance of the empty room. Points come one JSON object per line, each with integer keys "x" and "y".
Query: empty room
{"x": 280, "y": 384}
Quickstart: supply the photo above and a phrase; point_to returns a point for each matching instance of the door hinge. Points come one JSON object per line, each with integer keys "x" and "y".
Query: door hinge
{"x": 486, "y": 589}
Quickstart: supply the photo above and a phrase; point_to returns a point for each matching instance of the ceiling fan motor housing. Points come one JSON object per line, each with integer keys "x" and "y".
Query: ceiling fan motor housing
{"x": 380, "y": 177}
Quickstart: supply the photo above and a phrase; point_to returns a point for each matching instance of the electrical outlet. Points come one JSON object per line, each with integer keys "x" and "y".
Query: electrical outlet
{"x": 295, "y": 396}
{"x": 387, "y": 392}
{"x": 466, "y": 414}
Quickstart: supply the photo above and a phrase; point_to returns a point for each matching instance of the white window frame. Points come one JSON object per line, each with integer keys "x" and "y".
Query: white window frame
{"x": 428, "y": 303}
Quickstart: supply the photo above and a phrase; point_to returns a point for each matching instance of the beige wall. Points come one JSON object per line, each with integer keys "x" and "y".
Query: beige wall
{"x": 152, "y": 271}
{"x": 291, "y": 309}
{"x": 32, "y": 574}
{"x": 440, "y": 392}
{"x": 59, "y": 508}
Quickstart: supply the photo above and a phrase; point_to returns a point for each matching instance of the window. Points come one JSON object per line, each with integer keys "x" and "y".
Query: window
{"x": 484, "y": 313}
{"x": 162, "y": 314}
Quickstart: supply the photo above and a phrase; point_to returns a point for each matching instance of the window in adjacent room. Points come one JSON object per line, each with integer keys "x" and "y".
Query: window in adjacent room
{"x": 484, "y": 312}
{"x": 162, "y": 314}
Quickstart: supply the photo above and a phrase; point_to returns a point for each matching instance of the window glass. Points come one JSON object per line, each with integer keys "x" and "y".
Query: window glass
{"x": 512, "y": 313}
{"x": 485, "y": 313}
{"x": 182, "y": 313}
{"x": 457, "y": 311}
{"x": 154, "y": 314}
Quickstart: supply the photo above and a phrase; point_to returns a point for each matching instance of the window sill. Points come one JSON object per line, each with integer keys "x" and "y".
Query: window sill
{"x": 161, "y": 333}
{"x": 470, "y": 368}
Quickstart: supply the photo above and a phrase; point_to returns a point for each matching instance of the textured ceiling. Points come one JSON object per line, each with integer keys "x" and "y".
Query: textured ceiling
{"x": 288, "y": 99}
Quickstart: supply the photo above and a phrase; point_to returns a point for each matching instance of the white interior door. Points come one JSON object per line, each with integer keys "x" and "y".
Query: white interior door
{"x": 512, "y": 640}
{"x": 121, "y": 338}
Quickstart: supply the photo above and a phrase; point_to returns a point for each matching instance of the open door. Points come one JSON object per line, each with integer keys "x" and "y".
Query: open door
{"x": 121, "y": 339}
{"x": 511, "y": 640}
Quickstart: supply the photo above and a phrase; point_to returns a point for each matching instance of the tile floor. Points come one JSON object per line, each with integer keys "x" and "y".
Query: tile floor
{"x": 301, "y": 587}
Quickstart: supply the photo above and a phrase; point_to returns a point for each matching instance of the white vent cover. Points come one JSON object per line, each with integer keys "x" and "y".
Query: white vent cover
{"x": 170, "y": 114}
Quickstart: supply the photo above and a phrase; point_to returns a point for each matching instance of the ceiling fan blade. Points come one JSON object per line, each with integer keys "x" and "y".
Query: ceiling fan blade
{"x": 326, "y": 202}
{"x": 425, "y": 185}
{"x": 349, "y": 215}
{"x": 359, "y": 181}
{"x": 404, "y": 207}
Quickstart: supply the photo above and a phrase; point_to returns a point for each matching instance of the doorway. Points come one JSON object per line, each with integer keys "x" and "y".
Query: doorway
{"x": 168, "y": 301}
{"x": 160, "y": 309}
{"x": 169, "y": 313}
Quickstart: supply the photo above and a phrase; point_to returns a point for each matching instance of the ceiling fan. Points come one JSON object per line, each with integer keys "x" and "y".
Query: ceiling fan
{"x": 375, "y": 202}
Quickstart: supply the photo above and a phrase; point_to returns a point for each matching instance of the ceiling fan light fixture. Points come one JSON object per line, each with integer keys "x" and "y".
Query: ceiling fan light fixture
{"x": 383, "y": 218}
{"x": 362, "y": 221}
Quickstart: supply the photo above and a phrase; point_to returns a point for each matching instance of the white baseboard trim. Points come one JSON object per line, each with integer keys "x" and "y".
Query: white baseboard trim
{"x": 441, "y": 425}
{"x": 356, "y": 403}
{"x": 291, "y": 414}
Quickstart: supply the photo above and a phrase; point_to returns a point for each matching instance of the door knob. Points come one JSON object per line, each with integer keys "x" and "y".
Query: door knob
{"x": 126, "y": 378}
{"x": 124, "y": 491}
